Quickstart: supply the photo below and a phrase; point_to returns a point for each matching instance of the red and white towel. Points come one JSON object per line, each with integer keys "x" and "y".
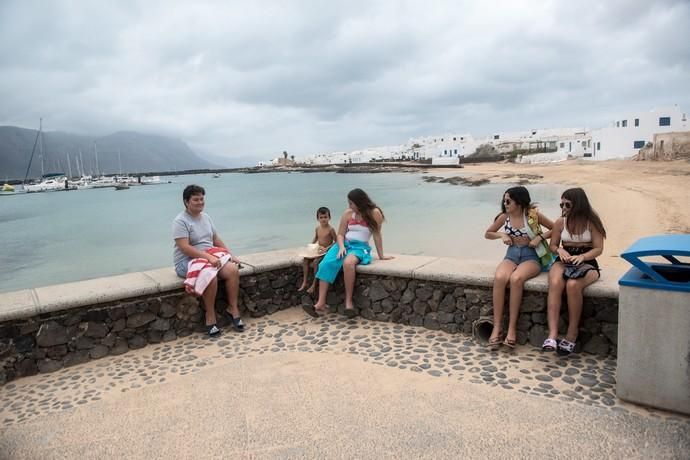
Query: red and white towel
{"x": 200, "y": 272}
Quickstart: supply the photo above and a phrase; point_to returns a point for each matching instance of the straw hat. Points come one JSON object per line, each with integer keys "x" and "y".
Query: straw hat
{"x": 310, "y": 252}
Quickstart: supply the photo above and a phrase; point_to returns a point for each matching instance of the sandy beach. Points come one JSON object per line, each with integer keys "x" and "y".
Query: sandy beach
{"x": 633, "y": 198}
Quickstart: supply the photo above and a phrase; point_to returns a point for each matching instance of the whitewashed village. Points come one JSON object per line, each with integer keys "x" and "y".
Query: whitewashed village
{"x": 660, "y": 133}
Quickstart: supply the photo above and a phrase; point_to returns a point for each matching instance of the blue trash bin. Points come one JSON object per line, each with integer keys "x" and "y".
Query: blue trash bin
{"x": 654, "y": 324}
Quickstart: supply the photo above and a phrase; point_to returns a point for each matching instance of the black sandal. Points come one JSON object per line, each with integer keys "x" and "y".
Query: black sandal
{"x": 310, "y": 310}
{"x": 565, "y": 347}
{"x": 236, "y": 322}
{"x": 213, "y": 330}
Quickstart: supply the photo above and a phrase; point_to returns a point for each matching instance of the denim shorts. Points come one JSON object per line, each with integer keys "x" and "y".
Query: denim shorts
{"x": 520, "y": 254}
{"x": 181, "y": 268}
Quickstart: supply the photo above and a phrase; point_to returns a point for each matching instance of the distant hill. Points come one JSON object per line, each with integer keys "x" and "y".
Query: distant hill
{"x": 229, "y": 162}
{"x": 139, "y": 153}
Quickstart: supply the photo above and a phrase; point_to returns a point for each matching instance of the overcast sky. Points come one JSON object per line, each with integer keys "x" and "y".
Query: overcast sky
{"x": 251, "y": 79}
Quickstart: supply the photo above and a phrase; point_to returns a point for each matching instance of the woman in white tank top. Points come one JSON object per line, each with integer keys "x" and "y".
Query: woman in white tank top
{"x": 360, "y": 221}
{"x": 581, "y": 233}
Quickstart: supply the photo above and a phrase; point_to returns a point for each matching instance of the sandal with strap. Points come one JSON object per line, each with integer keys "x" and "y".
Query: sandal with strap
{"x": 212, "y": 330}
{"x": 350, "y": 312}
{"x": 510, "y": 343}
{"x": 549, "y": 345}
{"x": 496, "y": 342}
{"x": 565, "y": 347}
{"x": 236, "y": 322}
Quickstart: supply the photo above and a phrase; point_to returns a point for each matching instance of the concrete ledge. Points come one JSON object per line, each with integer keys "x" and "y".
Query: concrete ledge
{"x": 402, "y": 266}
{"x": 18, "y": 304}
{"x": 262, "y": 262}
{"x": 31, "y": 302}
{"x": 91, "y": 292}
{"x": 458, "y": 271}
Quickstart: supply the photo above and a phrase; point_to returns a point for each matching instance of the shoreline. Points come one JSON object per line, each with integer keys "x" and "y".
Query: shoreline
{"x": 634, "y": 199}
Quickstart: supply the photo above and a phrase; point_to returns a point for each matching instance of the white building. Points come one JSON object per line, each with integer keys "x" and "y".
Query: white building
{"x": 627, "y": 135}
{"x": 623, "y": 138}
{"x": 451, "y": 145}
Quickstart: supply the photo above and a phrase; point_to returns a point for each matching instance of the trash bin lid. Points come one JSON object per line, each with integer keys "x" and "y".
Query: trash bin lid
{"x": 667, "y": 246}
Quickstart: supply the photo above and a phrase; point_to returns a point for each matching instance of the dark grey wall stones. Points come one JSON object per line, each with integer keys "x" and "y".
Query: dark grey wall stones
{"x": 48, "y": 342}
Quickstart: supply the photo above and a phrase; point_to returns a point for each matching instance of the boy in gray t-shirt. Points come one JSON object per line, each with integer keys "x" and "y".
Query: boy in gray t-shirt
{"x": 200, "y": 232}
{"x": 194, "y": 233}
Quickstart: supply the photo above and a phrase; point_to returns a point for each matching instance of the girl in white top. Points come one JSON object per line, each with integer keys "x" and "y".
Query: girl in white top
{"x": 582, "y": 234}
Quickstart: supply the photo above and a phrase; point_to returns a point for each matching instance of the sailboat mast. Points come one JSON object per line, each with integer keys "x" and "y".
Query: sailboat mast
{"x": 40, "y": 146}
{"x": 69, "y": 166}
{"x": 33, "y": 150}
{"x": 95, "y": 152}
{"x": 81, "y": 161}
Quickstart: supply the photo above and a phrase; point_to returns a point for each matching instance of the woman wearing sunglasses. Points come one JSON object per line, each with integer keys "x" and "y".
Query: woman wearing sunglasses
{"x": 521, "y": 261}
{"x": 581, "y": 234}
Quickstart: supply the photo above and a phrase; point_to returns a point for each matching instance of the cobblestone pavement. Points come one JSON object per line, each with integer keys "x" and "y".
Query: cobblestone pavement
{"x": 575, "y": 380}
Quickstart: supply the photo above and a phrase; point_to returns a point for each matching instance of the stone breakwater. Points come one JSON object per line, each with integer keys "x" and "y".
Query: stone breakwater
{"x": 60, "y": 326}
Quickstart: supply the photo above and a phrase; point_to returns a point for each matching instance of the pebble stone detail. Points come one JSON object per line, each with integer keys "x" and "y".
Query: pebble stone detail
{"x": 576, "y": 379}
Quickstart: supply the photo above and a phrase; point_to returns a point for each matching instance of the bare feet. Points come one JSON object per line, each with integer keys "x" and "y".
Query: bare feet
{"x": 303, "y": 286}
{"x": 321, "y": 309}
{"x": 311, "y": 289}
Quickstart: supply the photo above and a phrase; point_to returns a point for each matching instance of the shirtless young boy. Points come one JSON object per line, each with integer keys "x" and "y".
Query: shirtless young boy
{"x": 325, "y": 236}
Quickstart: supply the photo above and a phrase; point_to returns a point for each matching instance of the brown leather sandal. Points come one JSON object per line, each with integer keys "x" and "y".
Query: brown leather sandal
{"x": 496, "y": 342}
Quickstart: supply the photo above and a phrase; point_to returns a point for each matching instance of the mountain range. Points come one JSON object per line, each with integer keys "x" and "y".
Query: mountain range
{"x": 126, "y": 151}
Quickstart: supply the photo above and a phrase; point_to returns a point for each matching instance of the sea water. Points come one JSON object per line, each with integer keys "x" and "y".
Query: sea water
{"x": 57, "y": 237}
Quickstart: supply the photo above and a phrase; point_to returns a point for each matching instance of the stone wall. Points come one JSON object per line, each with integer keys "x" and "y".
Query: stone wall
{"x": 456, "y": 308}
{"x": 667, "y": 147}
{"x": 44, "y": 329}
{"x": 49, "y": 342}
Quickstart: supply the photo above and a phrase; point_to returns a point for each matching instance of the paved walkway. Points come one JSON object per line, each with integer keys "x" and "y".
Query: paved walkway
{"x": 293, "y": 387}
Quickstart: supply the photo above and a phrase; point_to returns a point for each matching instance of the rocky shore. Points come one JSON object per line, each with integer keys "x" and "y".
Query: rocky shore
{"x": 359, "y": 168}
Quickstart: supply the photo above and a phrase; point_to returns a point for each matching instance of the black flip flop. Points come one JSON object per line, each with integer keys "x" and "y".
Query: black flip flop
{"x": 236, "y": 322}
{"x": 310, "y": 310}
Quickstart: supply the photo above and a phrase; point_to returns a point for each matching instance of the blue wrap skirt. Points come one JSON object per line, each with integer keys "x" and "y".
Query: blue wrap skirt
{"x": 330, "y": 266}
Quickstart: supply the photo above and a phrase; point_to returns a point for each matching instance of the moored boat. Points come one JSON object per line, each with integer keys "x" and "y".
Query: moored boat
{"x": 49, "y": 183}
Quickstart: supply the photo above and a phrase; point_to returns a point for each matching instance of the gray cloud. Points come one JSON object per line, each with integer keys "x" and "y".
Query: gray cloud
{"x": 253, "y": 79}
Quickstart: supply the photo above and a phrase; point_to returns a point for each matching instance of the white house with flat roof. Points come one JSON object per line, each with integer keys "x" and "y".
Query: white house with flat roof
{"x": 625, "y": 136}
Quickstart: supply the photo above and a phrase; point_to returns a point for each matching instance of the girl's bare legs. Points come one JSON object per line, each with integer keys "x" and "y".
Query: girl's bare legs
{"x": 209, "y": 298}
{"x": 323, "y": 293}
{"x": 501, "y": 279}
{"x": 524, "y": 271}
{"x": 305, "y": 274}
{"x": 349, "y": 265}
{"x": 573, "y": 289}
{"x": 556, "y": 287}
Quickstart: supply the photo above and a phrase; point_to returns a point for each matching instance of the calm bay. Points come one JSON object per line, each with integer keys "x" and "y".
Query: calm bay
{"x": 58, "y": 237}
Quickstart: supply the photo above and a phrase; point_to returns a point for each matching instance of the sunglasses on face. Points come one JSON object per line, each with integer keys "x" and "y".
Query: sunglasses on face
{"x": 507, "y": 202}
{"x": 566, "y": 205}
